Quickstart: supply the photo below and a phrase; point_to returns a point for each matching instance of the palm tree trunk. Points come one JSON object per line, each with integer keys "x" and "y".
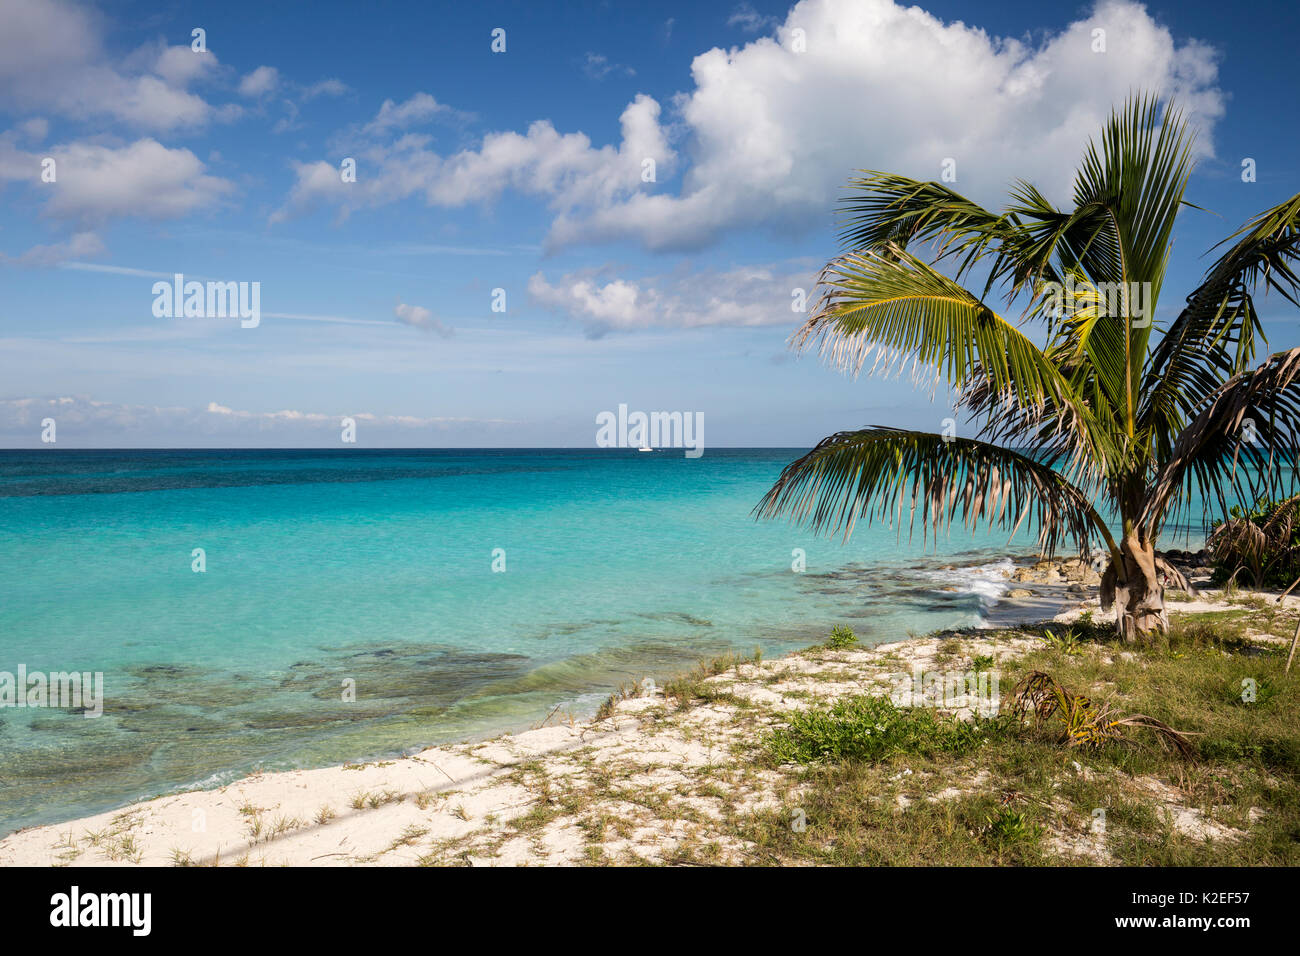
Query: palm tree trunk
{"x": 1135, "y": 590}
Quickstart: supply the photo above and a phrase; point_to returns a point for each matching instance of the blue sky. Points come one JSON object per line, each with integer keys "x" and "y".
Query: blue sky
{"x": 523, "y": 171}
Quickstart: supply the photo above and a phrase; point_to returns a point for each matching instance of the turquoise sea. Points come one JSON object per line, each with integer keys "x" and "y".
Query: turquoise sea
{"x": 376, "y": 567}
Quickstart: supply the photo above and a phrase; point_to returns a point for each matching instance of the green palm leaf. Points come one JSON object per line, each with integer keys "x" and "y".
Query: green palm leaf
{"x": 890, "y": 473}
{"x": 1243, "y": 443}
{"x": 1215, "y": 335}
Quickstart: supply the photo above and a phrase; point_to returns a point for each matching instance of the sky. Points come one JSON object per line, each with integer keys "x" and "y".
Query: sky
{"x": 556, "y": 209}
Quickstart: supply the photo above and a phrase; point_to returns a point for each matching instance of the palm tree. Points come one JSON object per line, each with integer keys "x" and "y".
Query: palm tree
{"x": 1105, "y": 414}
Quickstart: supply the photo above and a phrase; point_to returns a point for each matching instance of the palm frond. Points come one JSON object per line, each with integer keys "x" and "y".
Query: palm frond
{"x": 1215, "y": 335}
{"x": 885, "y": 209}
{"x": 901, "y": 308}
{"x": 1259, "y": 542}
{"x": 1138, "y": 176}
{"x": 1079, "y": 721}
{"x": 1057, "y": 242}
{"x": 891, "y": 473}
{"x": 1243, "y": 442}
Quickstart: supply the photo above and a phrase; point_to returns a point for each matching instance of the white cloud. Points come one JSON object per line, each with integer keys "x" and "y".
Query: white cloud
{"x": 83, "y": 421}
{"x": 144, "y": 178}
{"x": 121, "y": 270}
{"x": 332, "y": 419}
{"x": 94, "y": 183}
{"x": 773, "y": 133}
{"x": 420, "y": 108}
{"x": 327, "y": 87}
{"x": 52, "y": 59}
{"x": 78, "y": 245}
{"x": 289, "y": 121}
{"x": 564, "y": 169}
{"x": 750, "y": 20}
{"x": 34, "y": 130}
{"x": 180, "y": 65}
{"x": 15, "y": 164}
{"x": 419, "y": 317}
{"x": 597, "y": 66}
{"x": 743, "y": 296}
{"x": 775, "y": 142}
{"x": 259, "y": 82}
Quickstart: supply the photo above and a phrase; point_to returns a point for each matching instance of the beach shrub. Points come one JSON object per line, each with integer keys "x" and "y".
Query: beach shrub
{"x": 841, "y": 637}
{"x": 872, "y": 729}
{"x": 1065, "y": 639}
{"x": 1260, "y": 545}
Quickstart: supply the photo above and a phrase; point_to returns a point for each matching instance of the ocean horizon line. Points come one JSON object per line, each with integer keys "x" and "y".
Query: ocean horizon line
{"x": 353, "y": 450}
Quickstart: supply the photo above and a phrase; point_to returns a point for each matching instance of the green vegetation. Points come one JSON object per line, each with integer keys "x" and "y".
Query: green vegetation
{"x": 878, "y": 785}
{"x": 873, "y": 729}
{"x": 841, "y": 637}
{"x": 694, "y": 686}
{"x": 1259, "y": 546}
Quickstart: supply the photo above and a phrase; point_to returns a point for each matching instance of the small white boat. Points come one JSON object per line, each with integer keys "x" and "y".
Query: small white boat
{"x": 645, "y": 449}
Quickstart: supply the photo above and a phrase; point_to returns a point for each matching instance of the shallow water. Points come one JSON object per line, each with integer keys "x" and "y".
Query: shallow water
{"x": 376, "y": 567}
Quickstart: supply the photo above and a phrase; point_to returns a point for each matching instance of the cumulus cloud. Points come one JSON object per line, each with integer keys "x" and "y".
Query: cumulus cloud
{"x": 417, "y": 316}
{"x": 774, "y": 141}
{"x": 145, "y": 178}
{"x": 564, "y": 169}
{"x": 77, "y": 246}
{"x": 743, "y": 296}
{"x": 94, "y": 183}
{"x": 179, "y": 65}
{"x": 420, "y": 108}
{"x": 259, "y": 82}
{"x": 331, "y": 86}
{"x": 52, "y": 59}
{"x": 771, "y": 140}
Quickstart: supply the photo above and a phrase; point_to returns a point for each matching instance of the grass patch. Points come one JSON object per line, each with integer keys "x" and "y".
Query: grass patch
{"x": 877, "y": 785}
{"x": 873, "y": 729}
{"x": 694, "y": 685}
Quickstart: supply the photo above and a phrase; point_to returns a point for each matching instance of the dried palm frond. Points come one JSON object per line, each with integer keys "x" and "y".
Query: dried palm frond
{"x": 1084, "y": 723}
